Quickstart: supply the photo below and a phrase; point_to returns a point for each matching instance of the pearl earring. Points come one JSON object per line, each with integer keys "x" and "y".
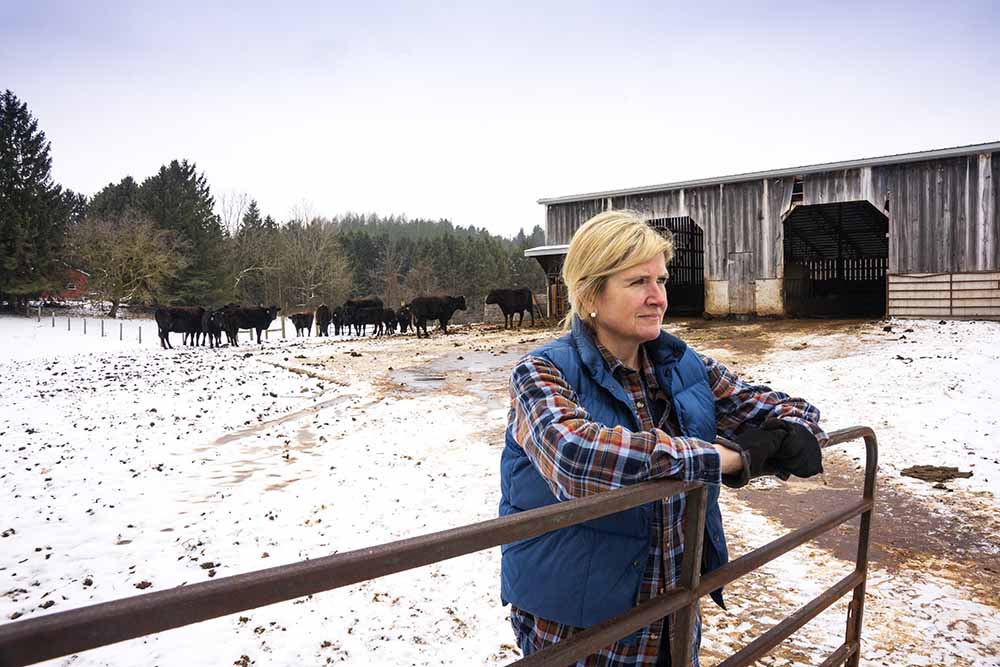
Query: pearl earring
{"x": 593, "y": 314}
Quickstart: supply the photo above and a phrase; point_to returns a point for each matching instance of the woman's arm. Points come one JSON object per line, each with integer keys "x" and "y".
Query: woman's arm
{"x": 739, "y": 404}
{"x": 579, "y": 457}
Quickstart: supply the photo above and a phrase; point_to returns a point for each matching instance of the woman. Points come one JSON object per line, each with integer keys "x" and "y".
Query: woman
{"x": 618, "y": 401}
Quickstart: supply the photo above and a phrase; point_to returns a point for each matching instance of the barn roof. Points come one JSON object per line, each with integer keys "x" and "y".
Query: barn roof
{"x": 936, "y": 154}
{"x": 543, "y": 250}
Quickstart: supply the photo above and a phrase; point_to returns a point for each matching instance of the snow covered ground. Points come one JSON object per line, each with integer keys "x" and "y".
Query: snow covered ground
{"x": 128, "y": 468}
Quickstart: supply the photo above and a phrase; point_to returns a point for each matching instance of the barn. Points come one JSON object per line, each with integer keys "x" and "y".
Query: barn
{"x": 75, "y": 287}
{"x": 908, "y": 235}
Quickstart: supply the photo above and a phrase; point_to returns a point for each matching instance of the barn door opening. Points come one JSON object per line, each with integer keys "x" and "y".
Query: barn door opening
{"x": 836, "y": 258}
{"x": 686, "y": 286}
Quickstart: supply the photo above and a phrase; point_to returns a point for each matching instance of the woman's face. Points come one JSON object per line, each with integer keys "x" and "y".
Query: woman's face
{"x": 631, "y": 308}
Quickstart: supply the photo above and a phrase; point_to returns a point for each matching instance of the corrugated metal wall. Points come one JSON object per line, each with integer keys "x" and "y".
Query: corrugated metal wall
{"x": 943, "y": 214}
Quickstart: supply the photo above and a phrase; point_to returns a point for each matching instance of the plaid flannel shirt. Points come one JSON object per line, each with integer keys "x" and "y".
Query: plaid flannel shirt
{"x": 548, "y": 416}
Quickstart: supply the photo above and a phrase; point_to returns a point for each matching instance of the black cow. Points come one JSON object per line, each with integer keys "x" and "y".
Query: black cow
{"x": 239, "y": 317}
{"x": 439, "y": 308}
{"x": 365, "y": 316}
{"x": 323, "y": 319}
{"x": 212, "y": 324}
{"x": 196, "y": 337}
{"x": 405, "y": 318}
{"x": 339, "y": 320}
{"x": 303, "y": 323}
{"x": 225, "y": 314}
{"x": 389, "y": 320}
{"x": 185, "y": 320}
{"x": 362, "y": 312}
{"x": 513, "y": 302}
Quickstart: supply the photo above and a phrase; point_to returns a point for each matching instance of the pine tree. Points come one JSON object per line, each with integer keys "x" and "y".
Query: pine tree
{"x": 178, "y": 199}
{"x": 115, "y": 199}
{"x": 34, "y": 211}
{"x": 251, "y": 219}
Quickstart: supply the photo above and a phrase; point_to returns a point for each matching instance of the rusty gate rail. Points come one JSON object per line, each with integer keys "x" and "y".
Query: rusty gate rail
{"x": 686, "y": 597}
{"x": 51, "y": 636}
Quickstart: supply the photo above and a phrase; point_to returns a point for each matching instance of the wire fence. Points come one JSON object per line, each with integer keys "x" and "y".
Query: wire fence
{"x": 137, "y": 330}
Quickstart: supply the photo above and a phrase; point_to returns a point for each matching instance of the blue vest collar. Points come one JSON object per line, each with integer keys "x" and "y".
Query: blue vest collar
{"x": 665, "y": 350}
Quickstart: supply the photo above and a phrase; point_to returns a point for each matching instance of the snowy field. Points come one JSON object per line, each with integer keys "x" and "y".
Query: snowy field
{"x": 127, "y": 468}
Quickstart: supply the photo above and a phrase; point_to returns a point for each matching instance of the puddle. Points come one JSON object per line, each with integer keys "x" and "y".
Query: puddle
{"x": 433, "y": 376}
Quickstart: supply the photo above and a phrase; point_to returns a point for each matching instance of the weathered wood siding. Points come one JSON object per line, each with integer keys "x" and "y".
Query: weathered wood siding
{"x": 739, "y": 217}
{"x": 945, "y": 295}
{"x": 942, "y": 213}
{"x": 562, "y": 221}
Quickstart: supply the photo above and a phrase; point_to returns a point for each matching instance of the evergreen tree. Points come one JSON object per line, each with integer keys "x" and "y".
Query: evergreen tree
{"x": 115, "y": 199}
{"x": 398, "y": 259}
{"x": 251, "y": 219}
{"x": 34, "y": 211}
{"x": 178, "y": 199}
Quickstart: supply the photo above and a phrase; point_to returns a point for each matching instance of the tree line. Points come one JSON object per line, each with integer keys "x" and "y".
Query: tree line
{"x": 165, "y": 240}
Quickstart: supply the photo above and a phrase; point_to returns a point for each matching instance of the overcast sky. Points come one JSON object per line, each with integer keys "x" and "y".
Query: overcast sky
{"x": 472, "y": 112}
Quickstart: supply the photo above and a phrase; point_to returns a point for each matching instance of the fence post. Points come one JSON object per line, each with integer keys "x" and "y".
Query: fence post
{"x": 282, "y": 326}
{"x": 85, "y": 326}
{"x": 121, "y": 330}
{"x": 68, "y": 327}
{"x": 694, "y": 532}
{"x": 140, "y": 334}
{"x": 102, "y": 328}
{"x": 53, "y": 319}
{"x": 39, "y": 314}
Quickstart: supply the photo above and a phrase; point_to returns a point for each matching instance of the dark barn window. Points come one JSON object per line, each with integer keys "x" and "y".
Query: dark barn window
{"x": 686, "y": 286}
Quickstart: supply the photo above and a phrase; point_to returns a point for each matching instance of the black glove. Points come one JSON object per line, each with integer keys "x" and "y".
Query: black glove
{"x": 756, "y": 446}
{"x": 799, "y": 454}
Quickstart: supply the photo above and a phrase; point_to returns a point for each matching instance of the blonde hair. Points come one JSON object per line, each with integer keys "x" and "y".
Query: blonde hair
{"x": 609, "y": 242}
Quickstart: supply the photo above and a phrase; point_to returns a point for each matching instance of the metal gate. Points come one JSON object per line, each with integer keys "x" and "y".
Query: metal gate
{"x": 30, "y": 641}
{"x": 686, "y": 285}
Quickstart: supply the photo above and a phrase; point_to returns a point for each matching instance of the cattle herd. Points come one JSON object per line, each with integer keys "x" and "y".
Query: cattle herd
{"x": 198, "y": 324}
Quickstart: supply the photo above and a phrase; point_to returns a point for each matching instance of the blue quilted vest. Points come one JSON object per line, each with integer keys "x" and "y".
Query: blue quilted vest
{"x": 589, "y": 572}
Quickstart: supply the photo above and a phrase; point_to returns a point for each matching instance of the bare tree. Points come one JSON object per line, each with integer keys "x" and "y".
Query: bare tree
{"x": 127, "y": 256}
{"x": 421, "y": 279}
{"x": 390, "y": 269}
{"x": 232, "y": 207}
{"x": 255, "y": 260}
{"x": 312, "y": 265}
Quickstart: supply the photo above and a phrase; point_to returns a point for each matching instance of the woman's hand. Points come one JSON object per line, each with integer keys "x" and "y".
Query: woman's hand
{"x": 799, "y": 454}
{"x": 753, "y": 447}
